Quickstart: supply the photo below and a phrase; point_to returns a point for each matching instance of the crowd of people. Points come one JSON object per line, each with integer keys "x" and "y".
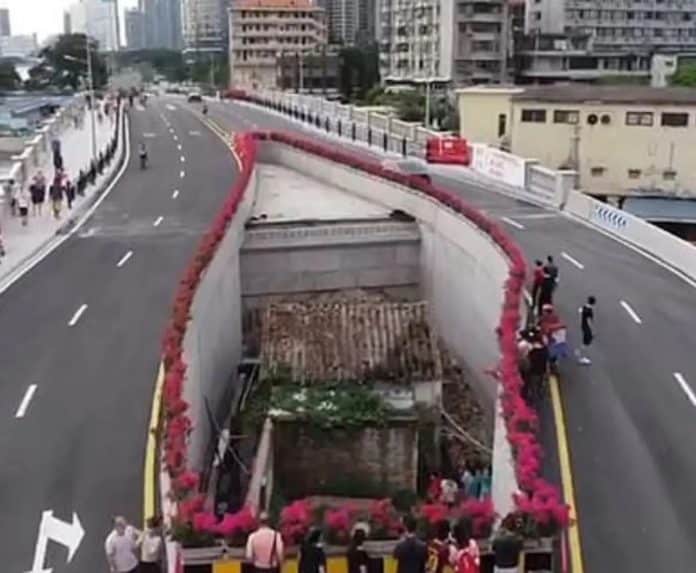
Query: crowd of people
{"x": 473, "y": 481}
{"x": 27, "y": 201}
{"x": 131, "y": 551}
{"x": 542, "y": 344}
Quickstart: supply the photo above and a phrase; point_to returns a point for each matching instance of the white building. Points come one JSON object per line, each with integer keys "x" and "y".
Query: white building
{"x": 204, "y": 25}
{"x": 97, "y": 19}
{"x": 18, "y": 46}
{"x": 415, "y": 38}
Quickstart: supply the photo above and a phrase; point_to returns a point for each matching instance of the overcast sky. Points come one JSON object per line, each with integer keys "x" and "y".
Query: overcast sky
{"x": 43, "y": 17}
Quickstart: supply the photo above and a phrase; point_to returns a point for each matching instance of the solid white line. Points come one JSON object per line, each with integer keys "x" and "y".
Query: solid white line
{"x": 24, "y": 404}
{"x": 512, "y": 223}
{"x": 175, "y": 194}
{"x": 158, "y": 221}
{"x": 80, "y": 311}
{"x": 124, "y": 259}
{"x": 632, "y": 313}
{"x": 572, "y": 261}
{"x": 182, "y": 159}
{"x": 182, "y": 174}
{"x": 685, "y": 386}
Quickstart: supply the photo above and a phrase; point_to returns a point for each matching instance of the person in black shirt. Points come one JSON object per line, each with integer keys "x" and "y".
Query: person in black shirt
{"x": 551, "y": 269}
{"x": 587, "y": 328}
{"x": 410, "y": 553}
{"x": 507, "y": 547}
{"x": 357, "y": 556}
{"x": 312, "y": 556}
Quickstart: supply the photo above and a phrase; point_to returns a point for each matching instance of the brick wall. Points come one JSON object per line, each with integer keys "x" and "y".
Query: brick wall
{"x": 309, "y": 461}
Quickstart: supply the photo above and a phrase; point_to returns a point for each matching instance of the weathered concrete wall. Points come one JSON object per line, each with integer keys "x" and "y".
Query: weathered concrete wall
{"x": 213, "y": 342}
{"x": 308, "y": 461}
{"x": 330, "y": 257}
{"x": 463, "y": 278}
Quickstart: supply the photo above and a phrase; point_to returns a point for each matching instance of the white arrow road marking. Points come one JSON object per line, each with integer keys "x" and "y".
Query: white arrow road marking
{"x": 171, "y": 107}
{"x": 572, "y": 261}
{"x": 124, "y": 259}
{"x": 149, "y": 135}
{"x": 175, "y": 194}
{"x": 24, "y": 404}
{"x": 158, "y": 221}
{"x": 67, "y": 534}
{"x": 77, "y": 315}
{"x": 685, "y": 386}
{"x": 195, "y": 133}
{"x": 632, "y": 313}
{"x": 512, "y": 223}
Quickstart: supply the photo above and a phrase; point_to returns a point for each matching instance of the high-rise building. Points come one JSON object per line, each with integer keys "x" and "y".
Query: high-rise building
{"x": 97, "y": 19}
{"x": 5, "y": 29}
{"x": 169, "y": 16}
{"x": 67, "y": 23}
{"x": 18, "y": 46}
{"x": 263, "y": 32}
{"x": 581, "y": 40}
{"x": 135, "y": 29}
{"x": 415, "y": 39}
{"x": 204, "y": 26}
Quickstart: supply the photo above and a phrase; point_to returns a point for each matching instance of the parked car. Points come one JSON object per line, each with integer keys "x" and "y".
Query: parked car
{"x": 195, "y": 97}
{"x": 408, "y": 167}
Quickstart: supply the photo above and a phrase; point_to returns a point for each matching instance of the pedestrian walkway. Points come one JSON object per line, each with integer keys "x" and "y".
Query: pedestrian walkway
{"x": 76, "y": 145}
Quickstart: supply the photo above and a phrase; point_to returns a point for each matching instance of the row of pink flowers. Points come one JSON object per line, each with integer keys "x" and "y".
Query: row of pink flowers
{"x": 538, "y": 499}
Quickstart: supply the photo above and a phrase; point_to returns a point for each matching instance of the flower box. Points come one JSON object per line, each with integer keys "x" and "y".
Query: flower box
{"x": 380, "y": 547}
{"x": 201, "y": 555}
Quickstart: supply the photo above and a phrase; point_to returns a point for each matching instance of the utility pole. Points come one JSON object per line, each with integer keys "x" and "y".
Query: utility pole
{"x": 92, "y": 100}
{"x": 118, "y": 27}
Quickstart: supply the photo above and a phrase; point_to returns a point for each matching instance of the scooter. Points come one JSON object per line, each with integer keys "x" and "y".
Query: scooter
{"x": 143, "y": 161}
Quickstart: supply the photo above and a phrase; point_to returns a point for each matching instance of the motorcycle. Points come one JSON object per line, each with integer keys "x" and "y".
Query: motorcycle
{"x": 143, "y": 161}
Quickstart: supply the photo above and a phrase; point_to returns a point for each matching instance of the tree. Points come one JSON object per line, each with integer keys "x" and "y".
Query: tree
{"x": 685, "y": 76}
{"x": 64, "y": 64}
{"x": 359, "y": 71}
{"x": 9, "y": 78}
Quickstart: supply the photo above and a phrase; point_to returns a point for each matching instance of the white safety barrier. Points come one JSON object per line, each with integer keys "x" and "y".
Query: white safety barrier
{"x": 669, "y": 249}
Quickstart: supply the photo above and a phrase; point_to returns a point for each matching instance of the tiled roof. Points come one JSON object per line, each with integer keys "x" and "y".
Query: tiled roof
{"x": 375, "y": 342}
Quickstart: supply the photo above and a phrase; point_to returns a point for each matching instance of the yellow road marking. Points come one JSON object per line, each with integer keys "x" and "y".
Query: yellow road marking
{"x": 566, "y": 477}
{"x": 149, "y": 495}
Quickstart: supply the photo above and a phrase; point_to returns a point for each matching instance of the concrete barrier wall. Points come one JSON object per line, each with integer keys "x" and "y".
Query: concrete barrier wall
{"x": 463, "y": 274}
{"x": 673, "y": 251}
{"x": 213, "y": 341}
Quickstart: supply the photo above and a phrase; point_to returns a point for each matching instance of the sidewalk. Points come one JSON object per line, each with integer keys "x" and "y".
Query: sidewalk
{"x": 76, "y": 143}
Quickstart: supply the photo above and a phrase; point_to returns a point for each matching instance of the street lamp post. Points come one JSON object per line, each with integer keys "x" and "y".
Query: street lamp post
{"x": 90, "y": 87}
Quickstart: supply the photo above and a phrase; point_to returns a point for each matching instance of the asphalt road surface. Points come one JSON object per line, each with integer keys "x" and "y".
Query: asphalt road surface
{"x": 79, "y": 446}
{"x": 630, "y": 417}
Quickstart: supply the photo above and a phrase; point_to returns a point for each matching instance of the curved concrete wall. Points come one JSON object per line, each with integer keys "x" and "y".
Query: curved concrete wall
{"x": 463, "y": 277}
{"x": 213, "y": 341}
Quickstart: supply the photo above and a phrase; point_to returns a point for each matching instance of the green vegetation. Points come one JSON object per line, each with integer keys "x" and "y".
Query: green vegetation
{"x": 9, "y": 78}
{"x": 685, "y": 76}
{"x": 359, "y": 72}
{"x": 64, "y": 64}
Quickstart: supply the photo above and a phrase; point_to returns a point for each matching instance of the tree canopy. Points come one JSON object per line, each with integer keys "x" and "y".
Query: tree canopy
{"x": 64, "y": 64}
{"x": 9, "y": 78}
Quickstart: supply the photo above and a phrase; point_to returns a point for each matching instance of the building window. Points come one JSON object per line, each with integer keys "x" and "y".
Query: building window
{"x": 597, "y": 171}
{"x": 634, "y": 173}
{"x": 566, "y": 116}
{"x": 675, "y": 119}
{"x": 534, "y": 115}
{"x": 669, "y": 175}
{"x": 644, "y": 118}
{"x": 502, "y": 127}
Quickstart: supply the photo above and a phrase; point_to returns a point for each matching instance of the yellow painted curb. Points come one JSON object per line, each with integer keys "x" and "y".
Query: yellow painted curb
{"x": 150, "y": 474}
{"x": 566, "y": 477}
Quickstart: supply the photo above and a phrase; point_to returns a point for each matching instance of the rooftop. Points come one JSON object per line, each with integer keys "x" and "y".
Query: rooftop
{"x": 577, "y": 93}
{"x": 351, "y": 340}
{"x": 662, "y": 209}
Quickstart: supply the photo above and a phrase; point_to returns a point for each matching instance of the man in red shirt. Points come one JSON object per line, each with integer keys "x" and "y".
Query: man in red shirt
{"x": 439, "y": 549}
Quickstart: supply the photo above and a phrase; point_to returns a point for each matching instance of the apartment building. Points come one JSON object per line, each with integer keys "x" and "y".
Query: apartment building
{"x": 621, "y": 140}
{"x": 263, "y": 32}
{"x": 97, "y": 19}
{"x": 590, "y": 39}
{"x": 349, "y": 21}
{"x": 204, "y": 26}
{"x": 415, "y": 39}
